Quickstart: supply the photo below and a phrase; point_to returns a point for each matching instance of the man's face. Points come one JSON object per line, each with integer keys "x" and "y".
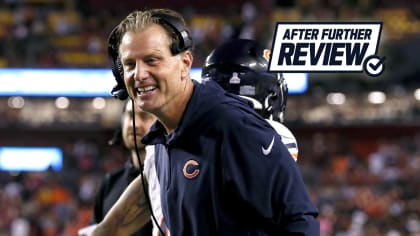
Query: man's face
{"x": 144, "y": 121}
{"x": 154, "y": 78}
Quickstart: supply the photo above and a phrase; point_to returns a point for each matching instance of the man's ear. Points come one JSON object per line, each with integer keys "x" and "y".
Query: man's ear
{"x": 187, "y": 60}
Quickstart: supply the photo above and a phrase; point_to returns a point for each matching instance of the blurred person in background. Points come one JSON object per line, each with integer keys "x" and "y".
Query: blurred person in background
{"x": 155, "y": 73}
{"x": 115, "y": 182}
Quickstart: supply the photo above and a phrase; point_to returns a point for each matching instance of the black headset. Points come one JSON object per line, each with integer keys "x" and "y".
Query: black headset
{"x": 184, "y": 42}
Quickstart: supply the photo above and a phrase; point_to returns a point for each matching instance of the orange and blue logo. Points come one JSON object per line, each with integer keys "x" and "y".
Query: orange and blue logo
{"x": 191, "y": 169}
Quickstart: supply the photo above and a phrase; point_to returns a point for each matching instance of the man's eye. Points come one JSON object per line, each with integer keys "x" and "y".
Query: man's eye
{"x": 152, "y": 60}
{"x": 129, "y": 65}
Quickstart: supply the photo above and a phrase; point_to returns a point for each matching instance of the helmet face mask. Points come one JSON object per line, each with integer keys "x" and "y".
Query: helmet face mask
{"x": 239, "y": 67}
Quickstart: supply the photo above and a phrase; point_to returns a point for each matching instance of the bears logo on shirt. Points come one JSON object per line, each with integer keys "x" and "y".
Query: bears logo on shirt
{"x": 191, "y": 169}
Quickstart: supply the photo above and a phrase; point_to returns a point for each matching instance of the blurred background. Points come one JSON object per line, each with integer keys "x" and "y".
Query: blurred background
{"x": 358, "y": 136}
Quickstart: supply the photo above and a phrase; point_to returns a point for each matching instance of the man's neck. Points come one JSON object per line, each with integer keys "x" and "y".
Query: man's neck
{"x": 171, "y": 119}
{"x": 134, "y": 158}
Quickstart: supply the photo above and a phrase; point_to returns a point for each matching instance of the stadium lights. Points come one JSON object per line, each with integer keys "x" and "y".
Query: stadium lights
{"x": 99, "y": 103}
{"x": 62, "y": 103}
{"x": 30, "y": 158}
{"x": 417, "y": 94}
{"x": 16, "y": 102}
{"x": 336, "y": 98}
{"x": 88, "y": 82}
{"x": 376, "y": 97}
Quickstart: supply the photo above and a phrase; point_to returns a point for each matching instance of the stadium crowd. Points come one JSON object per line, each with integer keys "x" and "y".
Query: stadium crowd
{"x": 59, "y": 33}
{"x": 361, "y": 186}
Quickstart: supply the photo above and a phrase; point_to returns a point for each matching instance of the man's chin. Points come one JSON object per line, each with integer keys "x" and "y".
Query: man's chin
{"x": 147, "y": 105}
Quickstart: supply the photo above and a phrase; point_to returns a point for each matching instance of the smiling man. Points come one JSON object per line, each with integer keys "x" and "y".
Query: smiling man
{"x": 214, "y": 177}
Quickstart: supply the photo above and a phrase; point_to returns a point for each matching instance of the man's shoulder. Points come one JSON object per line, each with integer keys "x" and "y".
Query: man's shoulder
{"x": 234, "y": 115}
{"x": 209, "y": 103}
{"x": 212, "y": 106}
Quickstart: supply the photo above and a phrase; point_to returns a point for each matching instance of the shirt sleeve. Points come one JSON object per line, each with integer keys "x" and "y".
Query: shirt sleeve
{"x": 265, "y": 178}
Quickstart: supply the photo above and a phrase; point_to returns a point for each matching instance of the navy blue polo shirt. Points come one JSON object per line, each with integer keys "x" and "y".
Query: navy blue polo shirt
{"x": 225, "y": 171}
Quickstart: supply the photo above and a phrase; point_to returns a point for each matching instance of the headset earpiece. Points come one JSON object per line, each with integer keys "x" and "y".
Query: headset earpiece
{"x": 184, "y": 37}
{"x": 119, "y": 91}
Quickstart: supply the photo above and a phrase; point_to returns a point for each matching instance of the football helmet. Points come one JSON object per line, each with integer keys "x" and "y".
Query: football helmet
{"x": 239, "y": 66}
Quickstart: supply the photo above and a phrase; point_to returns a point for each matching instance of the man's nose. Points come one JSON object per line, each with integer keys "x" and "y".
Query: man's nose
{"x": 141, "y": 72}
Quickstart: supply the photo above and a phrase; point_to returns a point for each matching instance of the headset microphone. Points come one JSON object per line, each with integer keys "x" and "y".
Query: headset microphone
{"x": 119, "y": 92}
